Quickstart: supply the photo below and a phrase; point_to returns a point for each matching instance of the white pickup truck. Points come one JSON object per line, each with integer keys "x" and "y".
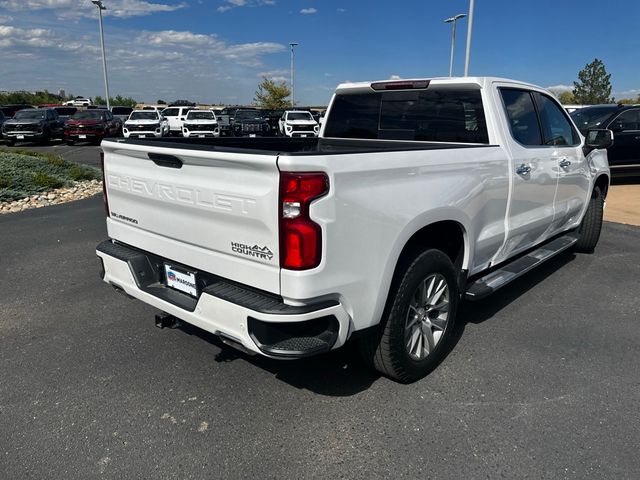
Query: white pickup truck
{"x": 418, "y": 194}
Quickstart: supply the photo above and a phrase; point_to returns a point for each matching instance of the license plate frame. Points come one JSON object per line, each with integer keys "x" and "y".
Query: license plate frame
{"x": 82, "y": 136}
{"x": 181, "y": 279}
{"x": 20, "y": 137}
{"x": 252, "y": 135}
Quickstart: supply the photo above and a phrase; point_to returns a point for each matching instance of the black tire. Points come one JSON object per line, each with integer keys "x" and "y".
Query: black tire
{"x": 386, "y": 347}
{"x": 591, "y": 225}
{"x": 9, "y": 143}
{"x": 70, "y": 142}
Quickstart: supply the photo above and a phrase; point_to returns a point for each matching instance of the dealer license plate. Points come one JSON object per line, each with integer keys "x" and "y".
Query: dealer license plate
{"x": 142, "y": 136}
{"x": 200, "y": 136}
{"x": 82, "y": 136}
{"x": 20, "y": 137}
{"x": 252, "y": 135}
{"x": 180, "y": 279}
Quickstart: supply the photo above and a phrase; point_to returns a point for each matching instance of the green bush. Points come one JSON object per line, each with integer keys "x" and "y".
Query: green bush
{"x": 26, "y": 173}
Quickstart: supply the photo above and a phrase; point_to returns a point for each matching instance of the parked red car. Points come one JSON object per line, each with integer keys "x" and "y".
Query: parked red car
{"x": 91, "y": 126}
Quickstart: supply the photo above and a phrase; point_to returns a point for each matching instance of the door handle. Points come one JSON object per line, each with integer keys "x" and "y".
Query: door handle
{"x": 564, "y": 163}
{"x": 523, "y": 169}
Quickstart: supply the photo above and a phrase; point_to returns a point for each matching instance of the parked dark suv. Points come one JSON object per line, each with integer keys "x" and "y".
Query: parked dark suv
{"x": 32, "y": 125}
{"x": 624, "y": 122}
{"x": 250, "y": 123}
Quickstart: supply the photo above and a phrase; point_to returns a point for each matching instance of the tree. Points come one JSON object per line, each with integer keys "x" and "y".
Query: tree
{"x": 272, "y": 95}
{"x": 161, "y": 102}
{"x": 118, "y": 100}
{"x": 594, "y": 85}
{"x": 566, "y": 98}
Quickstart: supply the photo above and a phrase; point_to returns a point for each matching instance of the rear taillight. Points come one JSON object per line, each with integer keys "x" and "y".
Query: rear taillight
{"x": 105, "y": 199}
{"x": 300, "y": 237}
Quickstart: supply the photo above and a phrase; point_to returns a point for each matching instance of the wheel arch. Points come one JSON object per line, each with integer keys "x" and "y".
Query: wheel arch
{"x": 448, "y": 235}
{"x": 602, "y": 182}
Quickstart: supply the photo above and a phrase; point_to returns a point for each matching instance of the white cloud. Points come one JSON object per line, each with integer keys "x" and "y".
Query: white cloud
{"x": 341, "y": 10}
{"x": 230, "y": 4}
{"x": 629, "y": 93}
{"x": 6, "y": 18}
{"x": 560, "y": 88}
{"x": 394, "y": 77}
{"x": 69, "y": 9}
{"x": 308, "y": 11}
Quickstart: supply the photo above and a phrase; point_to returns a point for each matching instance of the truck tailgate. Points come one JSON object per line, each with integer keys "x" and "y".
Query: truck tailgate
{"x": 212, "y": 211}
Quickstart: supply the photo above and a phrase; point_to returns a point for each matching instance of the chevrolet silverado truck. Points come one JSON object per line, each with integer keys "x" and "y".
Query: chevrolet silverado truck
{"x": 200, "y": 124}
{"x": 417, "y": 195}
{"x": 33, "y": 125}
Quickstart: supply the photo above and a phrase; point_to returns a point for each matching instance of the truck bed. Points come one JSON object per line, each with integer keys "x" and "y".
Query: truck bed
{"x": 296, "y": 146}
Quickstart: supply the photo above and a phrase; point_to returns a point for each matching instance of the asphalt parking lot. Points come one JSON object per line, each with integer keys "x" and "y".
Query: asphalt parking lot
{"x": 543, "y": 382}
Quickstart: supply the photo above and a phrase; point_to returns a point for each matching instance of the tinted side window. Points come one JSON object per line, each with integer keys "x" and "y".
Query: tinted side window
{"x": 171, "y": 112}
{"x": 556, "y": 128}
{"x": 626, "y": 121}
{"x": 522, "y": 116}
{"x": 434, "y": 114}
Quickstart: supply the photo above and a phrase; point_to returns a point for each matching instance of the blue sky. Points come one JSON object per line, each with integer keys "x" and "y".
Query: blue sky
{"x": 217, "y": 50}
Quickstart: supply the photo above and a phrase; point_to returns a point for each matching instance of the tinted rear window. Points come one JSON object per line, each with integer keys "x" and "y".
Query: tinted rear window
{"x": 121, "y": 110}
{"x": 437, "y": 115}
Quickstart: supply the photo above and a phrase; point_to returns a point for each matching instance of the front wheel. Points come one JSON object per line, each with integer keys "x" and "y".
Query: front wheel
{"x": 417, "y": 327}
{"x": 591, "y": 225}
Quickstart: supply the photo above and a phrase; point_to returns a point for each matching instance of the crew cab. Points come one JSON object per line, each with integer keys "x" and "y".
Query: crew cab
{"x": 145, "y": 123}
{"x": 33, "y": 125}
{"x": 249, "y": 122}
{"x": 294, "y": 123}
{"x": 200, "y": 124}
{"x": 91, "y": 126}
{"x": 418, "y": 194}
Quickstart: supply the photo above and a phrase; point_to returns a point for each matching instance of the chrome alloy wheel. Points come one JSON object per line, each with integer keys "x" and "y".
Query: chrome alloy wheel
{"x": 427, "y": 317}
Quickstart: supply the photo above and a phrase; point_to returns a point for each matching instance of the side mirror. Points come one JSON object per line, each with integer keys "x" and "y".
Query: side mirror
{"x": 182, "y": 119}
{"x": 598, "y": 138}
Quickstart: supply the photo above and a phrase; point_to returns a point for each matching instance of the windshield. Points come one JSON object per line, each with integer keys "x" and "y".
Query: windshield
{"x": 121, "y": 110}
{"x": 248, "y": 115}
{"x": 143, "y": 116}
{"x": 88, "y": 115}
{"x": 299, "y": 116}
{"x": 592, "y": 117}
{"x": 30, "y": 115}
{"x": 193, "y": 115}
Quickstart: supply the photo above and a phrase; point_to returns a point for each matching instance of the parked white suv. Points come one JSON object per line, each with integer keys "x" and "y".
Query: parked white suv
{"x": 145, "y": 123}
{"x": 79, "y": 102}
{"x": 176, "y": 117}
{"x": 298, "y": 123}
{"x": 200, "y": 124}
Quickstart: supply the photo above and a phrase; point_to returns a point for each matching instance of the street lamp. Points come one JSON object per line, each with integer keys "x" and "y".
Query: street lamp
{"x": 292, "y": 45}
{"x": 469, "y": 26}
{"x": 453, "y": 20}
{"x": 101, "y": 7}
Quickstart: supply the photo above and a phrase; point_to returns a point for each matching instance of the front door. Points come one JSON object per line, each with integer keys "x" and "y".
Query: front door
{"x": 568, "y": 161}
{"x": 625, "y": 151}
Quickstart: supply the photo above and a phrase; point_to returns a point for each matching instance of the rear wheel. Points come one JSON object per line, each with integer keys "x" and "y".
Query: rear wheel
{"x": 416, "y": 329}
{"x": 591, "y": 226}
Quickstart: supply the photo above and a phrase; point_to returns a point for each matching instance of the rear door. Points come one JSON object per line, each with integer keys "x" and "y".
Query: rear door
{"x": 212, "y": 211}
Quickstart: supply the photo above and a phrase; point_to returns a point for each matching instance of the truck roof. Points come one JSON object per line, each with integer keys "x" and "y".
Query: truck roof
{"x": 481, "y": 82}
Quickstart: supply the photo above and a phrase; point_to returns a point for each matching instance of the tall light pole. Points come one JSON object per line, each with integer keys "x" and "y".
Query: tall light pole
{"x": 101, "y": 7}
{"x": 453, "y": 20}
{"x": 469, "y": 27}
{"x": 292, "y": 45}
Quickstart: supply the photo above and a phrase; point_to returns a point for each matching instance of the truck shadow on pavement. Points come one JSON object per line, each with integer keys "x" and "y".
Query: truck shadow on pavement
{"x": 341, "y": 373}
